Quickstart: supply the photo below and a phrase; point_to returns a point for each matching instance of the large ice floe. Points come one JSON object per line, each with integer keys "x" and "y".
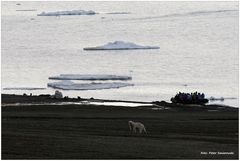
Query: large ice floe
{"x": 64, "y": 13}
{"x": 89, "y": 77}
{"x": 69, "y": 85}
{"x": 120, "y": 45}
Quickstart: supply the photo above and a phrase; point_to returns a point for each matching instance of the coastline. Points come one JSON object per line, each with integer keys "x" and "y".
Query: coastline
{"x": 101, "y": 132}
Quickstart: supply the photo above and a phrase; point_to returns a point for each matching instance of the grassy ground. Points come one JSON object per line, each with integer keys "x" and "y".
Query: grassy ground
{"x": 98, "y": 132}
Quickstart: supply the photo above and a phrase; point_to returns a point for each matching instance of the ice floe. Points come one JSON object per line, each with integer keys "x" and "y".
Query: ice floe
{"x": 220, "y": 98}
{"x": 23, "y": 88}
{"x": 120, "y": 45}
{"x": 89, "y": 77}
{"x": 63, "y": 13}
{"x": 69, "y": 85}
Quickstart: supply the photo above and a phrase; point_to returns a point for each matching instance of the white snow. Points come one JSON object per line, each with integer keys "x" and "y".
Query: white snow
{"x": 73, "y": 12}
{"x": 89, "y": 77}
{"x": 69, "y": 85}
{"x": 120, "y": 45}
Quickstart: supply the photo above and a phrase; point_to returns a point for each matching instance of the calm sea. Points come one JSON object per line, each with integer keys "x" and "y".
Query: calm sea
{"x": 198, "y": 47}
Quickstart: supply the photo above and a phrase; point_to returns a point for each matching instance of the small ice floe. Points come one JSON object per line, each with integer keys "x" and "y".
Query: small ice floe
{"x": 216, "y": 99}
{"x": 66, "y": 13}
{"x": 90, "y": 77}
{"x": 221, "y": 98}
{"x": 23, "y": 88}
{"x": 157, "y": 108}
{"x": 120, "y": 45}
{"x": 69, "y": 85}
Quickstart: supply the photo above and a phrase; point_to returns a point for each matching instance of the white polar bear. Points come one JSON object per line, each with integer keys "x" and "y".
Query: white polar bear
{"x": 133, "y": 126}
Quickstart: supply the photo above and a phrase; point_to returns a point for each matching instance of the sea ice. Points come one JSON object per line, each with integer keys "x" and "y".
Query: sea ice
{"x": 89, "y": 77}
{"x": 220, "y": 98}
{"x": 69, "y": 85}
{"x": 120, "y": 45}
{"x": 73, "y": 12}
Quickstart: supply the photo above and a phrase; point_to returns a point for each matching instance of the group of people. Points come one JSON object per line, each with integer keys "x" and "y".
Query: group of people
{"x": 195, "y": 97}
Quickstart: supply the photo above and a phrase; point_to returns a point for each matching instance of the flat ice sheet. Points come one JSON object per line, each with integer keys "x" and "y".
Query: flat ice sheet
{"x": 68, "y": 85}
{"x": 90, "y": 77}
{"x": 120, "y": 45}
{"x": 64, "y": 13}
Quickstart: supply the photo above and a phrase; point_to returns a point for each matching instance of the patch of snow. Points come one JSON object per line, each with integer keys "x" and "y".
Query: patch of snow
{"x": 64, "y": 13}
{"x": 69, "y": 85}
{"x": 120, "y": 45}
{"x": 89, "y": 77}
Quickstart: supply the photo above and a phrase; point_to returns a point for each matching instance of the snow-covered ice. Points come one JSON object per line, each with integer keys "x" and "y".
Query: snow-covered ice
{"x": 120, "y": 45}
{"x": 69, "y": 85}
{"x": 73, "y": 12}
{"x": 89, "y": 77}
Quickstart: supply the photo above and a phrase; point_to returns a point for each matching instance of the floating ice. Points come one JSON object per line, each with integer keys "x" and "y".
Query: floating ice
{"x": 69, "y": 85}
{"x": 73, "y": 12}
{"x": 120, "y": 45}
{"x": 23, "y": 88}
{"x": 90, "y": 77}
{"x": 220, "y": 99}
